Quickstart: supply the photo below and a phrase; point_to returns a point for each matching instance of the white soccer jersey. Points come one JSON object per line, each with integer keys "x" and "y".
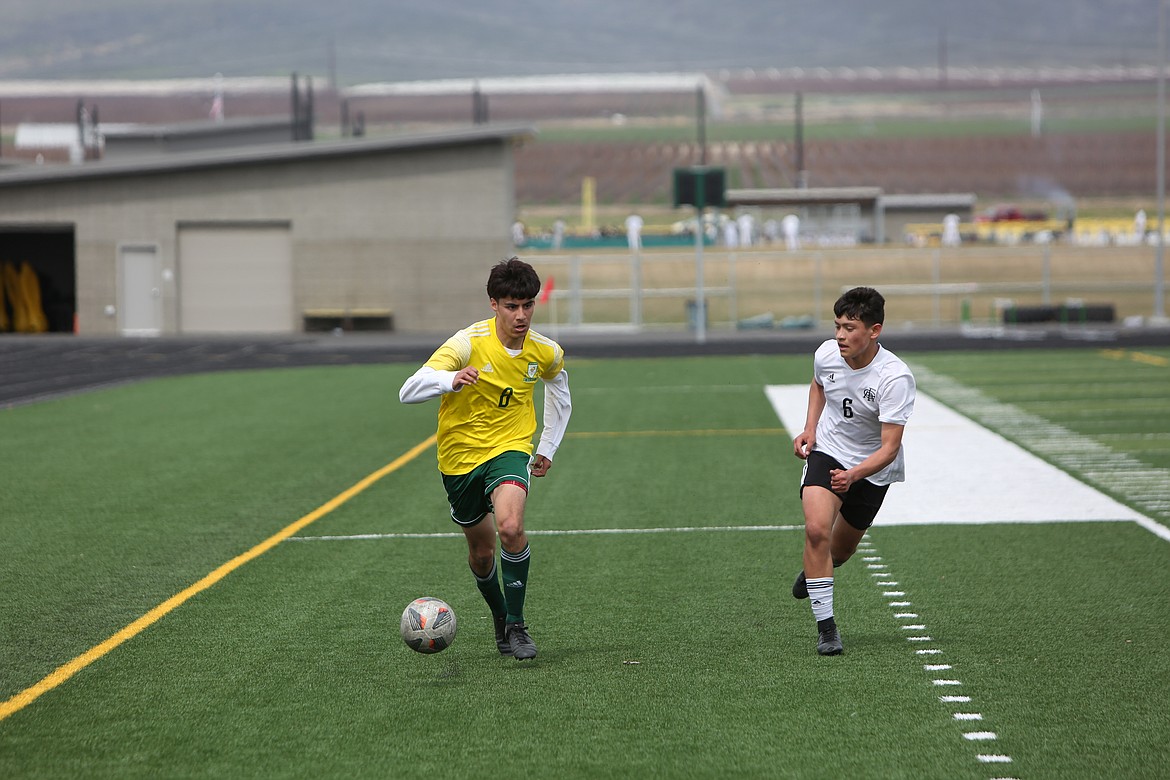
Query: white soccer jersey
{"x": 857, "y": 402}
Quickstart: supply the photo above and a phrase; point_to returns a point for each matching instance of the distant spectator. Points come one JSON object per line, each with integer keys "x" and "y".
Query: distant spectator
{"x": 746, "y": 225}
{"x": 1139, "y": 224}
{"x": 772, "y": 231}
{"x": 950, "y": 232}
{"x": 730, "y": 234}
{"x": 558, "y": 238}
{"x": 634, "y": 232}
{"x": 790, "y": 227}
{"x": 518, "y": 233}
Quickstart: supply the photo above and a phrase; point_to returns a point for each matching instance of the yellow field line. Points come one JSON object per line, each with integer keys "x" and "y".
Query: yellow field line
{"x": 696, "y": 432}
{"x": 64, "y": 672}
{"x": 1148, "y": 359}
{"x": 1137, "y": 357}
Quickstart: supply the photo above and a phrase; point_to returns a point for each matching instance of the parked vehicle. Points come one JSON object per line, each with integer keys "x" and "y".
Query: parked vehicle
{"x": 1010, "y": 213}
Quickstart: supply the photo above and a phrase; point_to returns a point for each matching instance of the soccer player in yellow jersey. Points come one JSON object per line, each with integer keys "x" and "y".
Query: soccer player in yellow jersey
{"x": 486, "y": 375}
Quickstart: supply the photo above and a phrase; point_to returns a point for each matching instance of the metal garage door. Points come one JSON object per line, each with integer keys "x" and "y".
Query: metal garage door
{"x": 235, "y": 279}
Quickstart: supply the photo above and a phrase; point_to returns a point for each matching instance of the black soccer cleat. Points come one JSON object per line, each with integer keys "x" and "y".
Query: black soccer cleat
{"x": 829, "y": 642}
{"x": 502, "y": 643}
{"x": 522, "y": 646}
{"x": 800, "y": 586}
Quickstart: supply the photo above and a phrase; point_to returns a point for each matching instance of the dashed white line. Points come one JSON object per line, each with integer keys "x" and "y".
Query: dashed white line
{"x": 942, "y": 682}
{"x": 994, "y": 759}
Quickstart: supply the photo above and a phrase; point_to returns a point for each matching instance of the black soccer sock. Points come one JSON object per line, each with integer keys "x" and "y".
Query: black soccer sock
{"x": 489, "y": 586}
{"x": 514, "y": 568}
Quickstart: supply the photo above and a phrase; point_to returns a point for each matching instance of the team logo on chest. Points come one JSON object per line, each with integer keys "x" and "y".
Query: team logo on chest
{"x": 869, "y": 394}
{"x": 533, "y": 368}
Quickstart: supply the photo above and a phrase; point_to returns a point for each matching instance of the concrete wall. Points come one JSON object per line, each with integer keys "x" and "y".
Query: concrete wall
{"x": 415, "y": 231}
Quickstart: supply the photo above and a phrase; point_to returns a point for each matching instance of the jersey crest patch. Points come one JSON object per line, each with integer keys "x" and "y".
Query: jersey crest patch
{"x": 869, "y": 394}
{"x": 533, "y": 368}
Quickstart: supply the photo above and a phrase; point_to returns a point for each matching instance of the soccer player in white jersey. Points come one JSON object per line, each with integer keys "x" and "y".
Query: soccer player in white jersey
{"x": 486, "y": 375}
{"x": 859, "y": 401}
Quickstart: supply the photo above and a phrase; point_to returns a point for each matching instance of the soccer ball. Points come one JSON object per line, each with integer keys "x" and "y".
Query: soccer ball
{"x": 428, "y": 625}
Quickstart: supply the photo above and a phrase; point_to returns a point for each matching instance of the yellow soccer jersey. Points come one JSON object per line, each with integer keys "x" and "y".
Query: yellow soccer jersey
{"x": 496, "y": 414}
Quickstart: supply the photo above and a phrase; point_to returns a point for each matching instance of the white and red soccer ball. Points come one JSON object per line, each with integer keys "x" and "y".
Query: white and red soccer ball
{"x": 428, "y": 625}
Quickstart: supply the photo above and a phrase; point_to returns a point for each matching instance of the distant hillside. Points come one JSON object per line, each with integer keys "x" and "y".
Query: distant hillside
{"x": 389, "y": 40}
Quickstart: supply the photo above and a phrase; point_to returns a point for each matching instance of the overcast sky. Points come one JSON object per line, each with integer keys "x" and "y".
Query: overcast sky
{"x": 377, "y": 40}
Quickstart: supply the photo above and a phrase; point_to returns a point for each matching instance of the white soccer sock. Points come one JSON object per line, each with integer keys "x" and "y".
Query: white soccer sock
{"x": 820, "y": 596}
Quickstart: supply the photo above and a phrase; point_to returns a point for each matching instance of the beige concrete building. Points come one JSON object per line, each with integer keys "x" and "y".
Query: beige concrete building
{"x": 268, "y": 239}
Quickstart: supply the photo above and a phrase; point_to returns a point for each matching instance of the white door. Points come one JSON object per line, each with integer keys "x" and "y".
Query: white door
{"x": 139, "y": 294}
{"x": 235, "y": 279}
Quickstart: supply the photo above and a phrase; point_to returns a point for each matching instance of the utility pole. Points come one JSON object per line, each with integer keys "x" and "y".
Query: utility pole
{"x": 1159, "y": 276}
{"x": 701, "y": 122}
{"x": 801, "y": 173}
{"x": 942, "y": 57}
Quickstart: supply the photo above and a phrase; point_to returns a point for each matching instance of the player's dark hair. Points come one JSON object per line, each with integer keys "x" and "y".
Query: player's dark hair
{"x": 862, "y": 303}
{"x": 513, "y": 278}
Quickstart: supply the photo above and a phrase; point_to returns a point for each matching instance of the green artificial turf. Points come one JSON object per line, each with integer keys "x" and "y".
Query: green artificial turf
{"x": 666, "y": 653}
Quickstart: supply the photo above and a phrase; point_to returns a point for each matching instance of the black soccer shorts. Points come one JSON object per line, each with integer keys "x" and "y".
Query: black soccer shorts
{"x": 859, "y": 504}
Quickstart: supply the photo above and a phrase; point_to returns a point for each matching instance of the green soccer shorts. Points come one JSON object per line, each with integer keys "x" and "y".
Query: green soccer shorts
{"x": 470, "y": 494}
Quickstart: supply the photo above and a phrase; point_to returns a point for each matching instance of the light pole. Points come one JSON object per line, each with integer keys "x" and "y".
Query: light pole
{"x": 700, "y": 299}
{"x": 699, "y": 186}
{"x": 1159, "y": 277}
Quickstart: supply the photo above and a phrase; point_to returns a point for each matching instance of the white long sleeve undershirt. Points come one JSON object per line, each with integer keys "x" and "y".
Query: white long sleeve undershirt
{"x": 425, "y": 384}
{"x": 558, "y": 406}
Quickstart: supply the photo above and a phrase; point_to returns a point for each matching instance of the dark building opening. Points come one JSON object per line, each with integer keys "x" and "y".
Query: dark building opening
{"x": 49, "y": 302}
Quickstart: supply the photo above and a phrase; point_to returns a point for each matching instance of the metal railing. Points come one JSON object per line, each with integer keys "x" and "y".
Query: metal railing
{"x": 777, "y": 288}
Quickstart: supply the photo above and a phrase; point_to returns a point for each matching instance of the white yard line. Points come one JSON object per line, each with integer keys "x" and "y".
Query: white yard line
{"x": 556, "y": 532}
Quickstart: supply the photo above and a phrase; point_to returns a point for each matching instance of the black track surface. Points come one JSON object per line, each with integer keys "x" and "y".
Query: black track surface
{"x": 35, "y": 368}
